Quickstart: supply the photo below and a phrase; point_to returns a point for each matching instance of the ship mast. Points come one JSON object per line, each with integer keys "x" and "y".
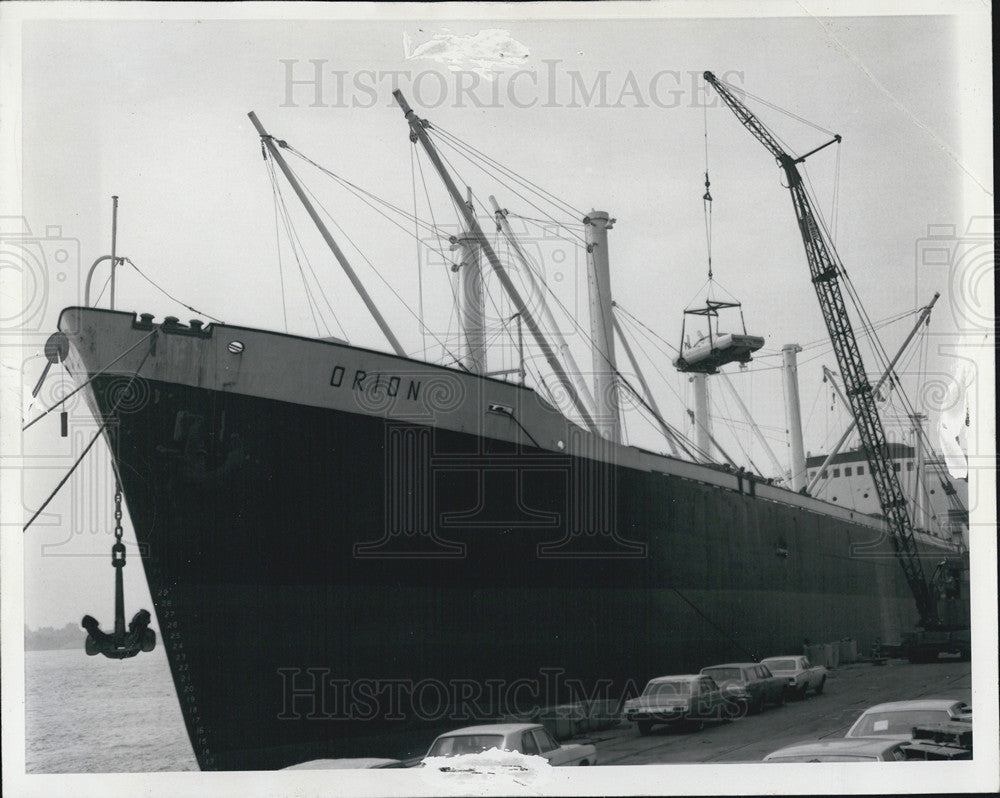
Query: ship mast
{"x": 471, "y": 306}
{"x": 597, "y": 224}
{"x": 276, "y": 155}
{"x": 417, "y": 127}
{"x": 538, "y": 291}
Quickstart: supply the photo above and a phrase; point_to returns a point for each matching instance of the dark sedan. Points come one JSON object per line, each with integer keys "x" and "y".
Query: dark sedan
{"x": 749, "y": 684}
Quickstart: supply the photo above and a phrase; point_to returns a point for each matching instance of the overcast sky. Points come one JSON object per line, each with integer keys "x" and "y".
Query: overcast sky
{"x": 603, "y": 113}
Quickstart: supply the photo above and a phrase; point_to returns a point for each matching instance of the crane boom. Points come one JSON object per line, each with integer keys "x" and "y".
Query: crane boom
{"x": 825, "y": 268}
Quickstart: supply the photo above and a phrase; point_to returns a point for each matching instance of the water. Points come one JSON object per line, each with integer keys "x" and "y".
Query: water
{"x": 95, "y": 715}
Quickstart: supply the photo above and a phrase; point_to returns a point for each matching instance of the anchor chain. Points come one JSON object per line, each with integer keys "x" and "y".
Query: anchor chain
{"x": 120, "y": 644}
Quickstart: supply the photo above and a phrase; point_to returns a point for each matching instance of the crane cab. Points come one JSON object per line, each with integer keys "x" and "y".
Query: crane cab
{"x": 714, "y": 349}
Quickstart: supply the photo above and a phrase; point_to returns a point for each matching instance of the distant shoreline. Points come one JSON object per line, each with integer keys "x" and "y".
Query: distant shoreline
{"x": 68, "y": 637}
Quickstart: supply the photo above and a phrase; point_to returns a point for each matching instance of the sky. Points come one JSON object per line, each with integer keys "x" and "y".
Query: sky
{"x": 608, "y": 114}
{"x": 152, "y": 106}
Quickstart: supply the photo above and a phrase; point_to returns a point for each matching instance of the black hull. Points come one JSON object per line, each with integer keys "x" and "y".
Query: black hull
{"x": 277, "y": 568}
{"x": 337, "y": 571}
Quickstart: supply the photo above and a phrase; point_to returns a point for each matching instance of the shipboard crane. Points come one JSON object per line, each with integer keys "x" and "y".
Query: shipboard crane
{"x": 826, "y": 269}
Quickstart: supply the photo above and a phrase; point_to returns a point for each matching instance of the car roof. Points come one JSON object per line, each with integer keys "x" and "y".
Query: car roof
{"x": 843, "y": 745}
{"x": 732, "y": 665}
{"x": 493, "y": 728}
{"x": 680, "y": 677}
{"x": 344, "y": 764}
{"x": 919, "y": 703}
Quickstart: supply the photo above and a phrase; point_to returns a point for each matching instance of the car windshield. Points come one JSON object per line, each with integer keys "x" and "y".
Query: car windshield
{"x": 781, "y": 664}
{"x": 876, "y": 723}
{"x": 667, "y": 689}
{"x": 724, "y": 674}
{"x": 465, "y": 744}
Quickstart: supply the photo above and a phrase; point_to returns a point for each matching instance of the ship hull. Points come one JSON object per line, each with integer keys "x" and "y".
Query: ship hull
{"x": 329, "y": 577}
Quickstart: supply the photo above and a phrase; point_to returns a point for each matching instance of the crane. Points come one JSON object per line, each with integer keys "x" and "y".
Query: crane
{"x": 825, "y": 268}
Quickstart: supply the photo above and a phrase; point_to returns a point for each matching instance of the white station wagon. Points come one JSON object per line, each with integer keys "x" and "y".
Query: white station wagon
{"x": 524, "y": 738}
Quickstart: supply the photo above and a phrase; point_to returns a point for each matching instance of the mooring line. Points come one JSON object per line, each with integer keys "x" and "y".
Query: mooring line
{"x": 62, "y": 401}
{"x": 100, "y": 429}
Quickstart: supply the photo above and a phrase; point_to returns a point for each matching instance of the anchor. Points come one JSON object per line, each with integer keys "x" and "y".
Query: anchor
{"x": 119, "y": 644}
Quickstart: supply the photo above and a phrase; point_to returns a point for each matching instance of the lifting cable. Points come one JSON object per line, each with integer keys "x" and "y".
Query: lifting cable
{"x": 707, "y": 200}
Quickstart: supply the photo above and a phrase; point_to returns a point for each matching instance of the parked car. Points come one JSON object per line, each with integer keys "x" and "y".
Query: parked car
{"x": 524, "y": 738}
{"x": 749, "y": 684}
{"x": 801, "y": 673}
{"x": 896, "y": 719}
{"x": 842, "y": 750}
{"x": 671, "y": 699}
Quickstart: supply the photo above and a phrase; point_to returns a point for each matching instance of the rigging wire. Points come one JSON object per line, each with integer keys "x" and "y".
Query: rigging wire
{"x": 170, "y": 296}
{"x": 358, "y": 192}
{"x": 835, "y": 211}
{"x": 684, "y": 405}
{"x": 121, "y": 397}
{"x": 732, "y": 430}
{"x": 812, "y": 411}
{"x": 458, "y": 211}
{"x": 293, "y": 240}
{"x": 368, "y": 198}
{"x": 85, "y": 383}
{"x": 103, "y": 289}
{"x": 548, "y": 225}
{"x": 367, "y": 195}
{"x": 281, "y": 270}
{"x": 420, "y": 259}
{"x": 651, "y": 332}
{"x": 552, "y": 199}
{"x": 447, "y": 259}
{"x": 514, "y": 191}
{"x": 297, "y": 247}
{"x": 367, "y": 260}
{"x": 778, "y": 108}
